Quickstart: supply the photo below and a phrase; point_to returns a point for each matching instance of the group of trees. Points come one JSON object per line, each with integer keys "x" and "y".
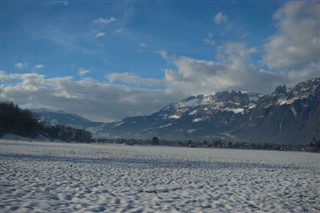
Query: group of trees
{"x": 67, "y": 133}
{"x": 14, "y": 120}
{"x": 17, "y": 121}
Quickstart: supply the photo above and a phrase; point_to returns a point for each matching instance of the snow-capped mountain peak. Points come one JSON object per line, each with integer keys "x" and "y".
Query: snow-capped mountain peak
{"x": 283, "y": 96}
{"x": 204, "y": 105}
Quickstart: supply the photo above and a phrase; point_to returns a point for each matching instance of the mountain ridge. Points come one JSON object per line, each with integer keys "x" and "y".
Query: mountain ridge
{"x": 285, "y": 116}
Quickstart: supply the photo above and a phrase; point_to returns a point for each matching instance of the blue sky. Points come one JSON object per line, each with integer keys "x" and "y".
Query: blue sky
{"x": 125, "y": 58}
{"x": 40, "y": 32}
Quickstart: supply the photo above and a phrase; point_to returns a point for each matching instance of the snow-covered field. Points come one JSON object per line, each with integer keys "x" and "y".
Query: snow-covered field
{"x": 59, "y": 177}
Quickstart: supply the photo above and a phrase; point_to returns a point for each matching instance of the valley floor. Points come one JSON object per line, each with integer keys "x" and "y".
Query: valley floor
{"x": 60, "y": 177}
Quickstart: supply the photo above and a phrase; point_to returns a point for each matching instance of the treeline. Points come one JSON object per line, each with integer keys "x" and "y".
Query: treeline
{"x": 215, "y": 143}
{"x": 22, "y": 122}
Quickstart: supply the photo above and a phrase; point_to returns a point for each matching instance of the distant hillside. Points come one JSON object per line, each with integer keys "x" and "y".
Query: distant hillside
{"x": 58, "y": 117}
{"x": 23, "y": 123}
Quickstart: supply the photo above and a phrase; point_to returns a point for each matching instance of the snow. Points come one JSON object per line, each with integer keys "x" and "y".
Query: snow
{"x": 175, "y": 116}
{"x": 15, "y": 137}
{"x": 194, "y": 102}
{"x": 190, "y": 103}
{"x": 190, "y": 130}
{"x": 193, "y": 112}
{"x": 197, "y": 120}
{"x": 118, "y": 123}
{"x": 20, "y": 138}
{"x": 235, "y": 110}
{"x": 57, "y": 177}
{"x": 281, "y": 101}
{"x": 294, "y": 111}
{"x": 252, "y": 106}
{"x": 166, "y": 125}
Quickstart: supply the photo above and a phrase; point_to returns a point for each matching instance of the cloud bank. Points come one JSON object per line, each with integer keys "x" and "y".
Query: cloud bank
{"x": 87, "y": 97}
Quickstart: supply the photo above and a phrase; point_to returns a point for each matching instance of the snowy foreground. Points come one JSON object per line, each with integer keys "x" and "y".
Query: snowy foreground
{"x": 59, "y": 177}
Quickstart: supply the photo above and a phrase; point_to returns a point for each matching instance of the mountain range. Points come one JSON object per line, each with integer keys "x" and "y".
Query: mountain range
{"x": 286, "y": 116}
{"x": 59, "y": 117}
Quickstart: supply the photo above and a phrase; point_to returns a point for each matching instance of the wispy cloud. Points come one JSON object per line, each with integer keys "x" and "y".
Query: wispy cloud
{"x": 208, "y": 40}
{"x": 143, "y": 45}
{"x": 83, "y": 72}
{"x": 100, "y": 34}
{"x": 64, "y": 2}
{"x": 220, "y": 18}
{"x": 120, "y": 30}
{"x": 62, "y": 38}
{"x": 37, "y": 67}
{"x": 20, "y": 65}
{"x": 105, "y": 20}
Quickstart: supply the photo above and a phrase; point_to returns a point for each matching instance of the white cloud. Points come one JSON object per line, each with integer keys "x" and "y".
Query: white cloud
{"x": 37, "y": 67}
{"x": 296, "y": 42}
{"x": 100, "y": 34}
{"x": 233, "y": 71}
{"x": 95, "y": 98}
{"x": 29, "y": 82}
{"x": 220, "y": 18}
{"x": 20, "y": 65}
{"x": 105, "y": 20}
{"x": 83, "y": 71}
{"x": 164, "y": 54}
